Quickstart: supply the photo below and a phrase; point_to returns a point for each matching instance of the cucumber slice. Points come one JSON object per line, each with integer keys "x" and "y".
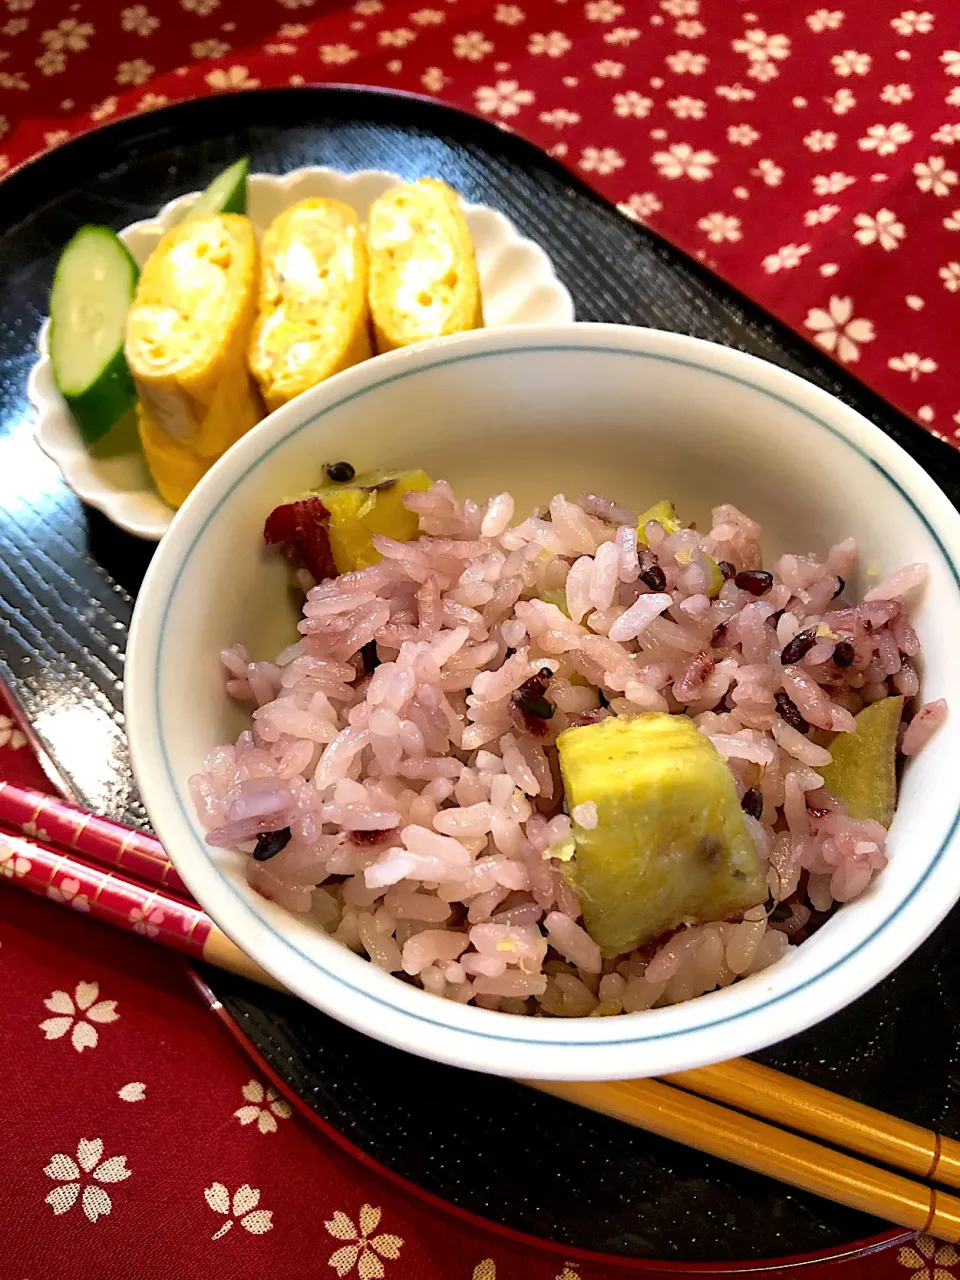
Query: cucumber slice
{"x": 92, "y": 290}
{"x": 227, "y": 193}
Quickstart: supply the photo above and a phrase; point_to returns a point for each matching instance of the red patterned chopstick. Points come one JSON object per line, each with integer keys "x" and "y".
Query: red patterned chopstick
{"x": 51, "y": 820}
{"x": 35, "y": 865}
{"x": 108, "y": 896}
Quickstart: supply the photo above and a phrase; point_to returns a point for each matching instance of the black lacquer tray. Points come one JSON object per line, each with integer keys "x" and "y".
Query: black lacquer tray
{"x": 67, "y": 583}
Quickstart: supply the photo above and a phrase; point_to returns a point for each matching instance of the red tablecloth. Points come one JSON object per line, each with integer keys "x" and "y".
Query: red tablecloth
{"x": 806, "y": 152}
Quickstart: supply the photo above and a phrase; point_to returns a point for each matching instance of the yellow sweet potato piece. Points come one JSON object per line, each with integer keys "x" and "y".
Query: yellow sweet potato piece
{"x": 313, "y": 318}
{"x": 423, "y": 269}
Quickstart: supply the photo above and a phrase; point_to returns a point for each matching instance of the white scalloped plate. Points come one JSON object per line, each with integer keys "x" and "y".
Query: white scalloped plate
{"x": 517, "y": 281}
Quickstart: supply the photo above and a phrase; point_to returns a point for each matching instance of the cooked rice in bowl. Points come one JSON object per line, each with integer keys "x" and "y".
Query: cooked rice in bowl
{"x": 401, "y": 779}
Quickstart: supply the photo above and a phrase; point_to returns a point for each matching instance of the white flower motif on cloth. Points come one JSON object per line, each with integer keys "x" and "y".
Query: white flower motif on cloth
{"x": 769, "y": 171}
{"x": 243, "y": 1207}
{"x": 364, "y": 1250}
{"x": 786, "y": 258}
{"x": 687, "y": 108}
{"x": 202, "y": 8}
{"x": 69, "y": 1174}
{"x": 829, "y": 268}
{"x": 910, "y": 23}
{"x": 428, "y": 17}
{"x": 103, "y": 109}
{"x": 77, "y": 1015}
{"x": 742, "y": 135}
{"x": 621, "y": 35}
{"x": 947, "y": 134}
{"x": 263, "y": 1106}
{"x": 133, "y": 72}
{"x": 10, "y": 735}
{"x": 851, "y": 63}
{"x": 927, "y": 413}
{"x": 559, "y": 117}
{"x": 209, "y": 48}
{"x": 53, "y": 139}
{"x": 883, "y": 229}
{"x": 138, "y": 20}
{"x": 686, "y": 62}
{"x": 951, "y": 61}
{"x": 735, "y": 92}
{"x": 396, "y": 39}
{"x": 952, "y": 221}
{"x": 135, "y": 1091}
{"x": 367, "y": 8}
{"x": 824, "y": 20}
{"x": 913, "y": 364}
{"x": 762, "y": 50}
{"x": 50, "y": 63}
{"x": 633, "y": 104}
{"x": 681, "y": 8}
{"x": 505, "y": 98}
{"x": 896, "y": 93}
{"x": 433, "y": 79}
{"x": 886, "y": 139}
{"x": 934, "y": 176}
{"x": 831, "y": 184}
{"x": 720, "y": 227}
{"x": 953, "y": 97}
{"x": 554, "y": 44}
{"x": 681, "y": 160}
{"x": 836, "y": 329}
{"x": 823, "y": 213}
{"x": 841, "y": 102}
{"x": 640, "y": 205}
{"x": 12, "y": 863}
{"x": 689, "y": 29}
{"x": 914, "y": 302}
{"x": 926, "y": 1257}
{"x": 820, "y": 140}
{"x": 608, "y": 69}
{"x": 231, "y": 78}
{"x": 950, "y": 275}
{"x": 337, "y": 55}
{"x": 601, "y": 159}
{"x": 68, "y": 893}
{"x": 68, "y": 36}
{"x": 602, "y": 10}
{"x": 146, "y": 922}
{"x": 508, "y": 14}
{"x": 472, "y": 45}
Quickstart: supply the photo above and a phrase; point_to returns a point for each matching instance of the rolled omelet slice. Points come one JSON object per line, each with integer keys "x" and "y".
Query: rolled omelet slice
{"x": 175, "y": 468}
{"x": 186, "y": 341}
{"x": 313, "y": 317}
{"x": 423, "y": 268}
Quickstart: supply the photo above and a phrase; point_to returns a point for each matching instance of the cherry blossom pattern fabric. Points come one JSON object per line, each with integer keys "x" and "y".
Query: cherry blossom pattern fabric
{"x": 806, "y": 152}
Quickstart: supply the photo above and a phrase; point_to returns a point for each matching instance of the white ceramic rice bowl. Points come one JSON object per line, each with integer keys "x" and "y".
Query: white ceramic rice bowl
{"x": 631, "y": 413}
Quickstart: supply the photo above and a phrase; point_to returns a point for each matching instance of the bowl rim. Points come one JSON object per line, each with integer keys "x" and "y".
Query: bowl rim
{"x": 349, "y": 987}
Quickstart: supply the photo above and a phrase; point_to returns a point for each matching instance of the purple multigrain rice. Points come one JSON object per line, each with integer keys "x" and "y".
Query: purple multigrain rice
{"x": 406, "y": 741}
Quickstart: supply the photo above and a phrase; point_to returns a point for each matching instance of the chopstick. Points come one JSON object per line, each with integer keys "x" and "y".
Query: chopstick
{"x": 673, "y": 1113}
{"x": 819, "y": 1113}
{"x": 105, "y": 895}
{"x": 683, "y": 1107}
{"x": 103, "y": 840}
